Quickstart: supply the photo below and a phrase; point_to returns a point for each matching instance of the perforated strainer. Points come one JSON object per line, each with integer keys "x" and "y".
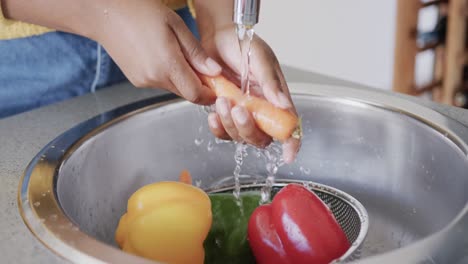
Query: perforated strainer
{"x": 349, "y": 212}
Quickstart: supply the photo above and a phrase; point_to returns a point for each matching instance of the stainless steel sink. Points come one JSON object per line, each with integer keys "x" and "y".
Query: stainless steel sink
{"x": 405, "y": 163}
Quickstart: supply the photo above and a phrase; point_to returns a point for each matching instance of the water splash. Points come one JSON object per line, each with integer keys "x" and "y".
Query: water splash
{"x": 210, "y": 146}
{"x": 240, "y": 154}
{"x": 198, "y": 183}
{"x": 198, "y": 141}
{"x": 274, "y": 160}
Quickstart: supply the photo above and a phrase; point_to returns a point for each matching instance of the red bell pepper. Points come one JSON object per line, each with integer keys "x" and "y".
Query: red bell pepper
{"x": 297, "y": 227}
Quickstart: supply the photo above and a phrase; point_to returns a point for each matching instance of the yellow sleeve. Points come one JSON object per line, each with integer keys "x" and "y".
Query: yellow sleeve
{"x": 10, "y": 29}
{"x": 191, "y": 7}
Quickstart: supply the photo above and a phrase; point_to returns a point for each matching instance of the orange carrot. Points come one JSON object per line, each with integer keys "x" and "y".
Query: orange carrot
{"x": 185, "y": 177}
{"x": 279, "y": 123}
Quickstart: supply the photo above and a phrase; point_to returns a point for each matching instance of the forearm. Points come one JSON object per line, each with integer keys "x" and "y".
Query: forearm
{"x": 213, "y": 15}
{"x": 74, "y": 16}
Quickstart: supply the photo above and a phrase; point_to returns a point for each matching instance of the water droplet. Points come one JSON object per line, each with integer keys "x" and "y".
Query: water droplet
{"x": 414, "y": 210}
{"x": 76, "y": 229}
{"x": 198, "y": 183}
{"x": 198, "y": 141}
{"x": 291, "y": 173}
{"x": 265, "y": 196}
{"x": 432, "y": 158}
{"x": 106, "y": 12}
{"x": 53, "y": 217}
{"x": 266, "y": 189}
{"x": 220, "y": 141}
{"x": 52, "y": 147}
{"x": 37, "y": 204}
{"x": 43, "y": 156}
{"x": 44, "y": 194}
{"x": 200, "y": 129}
{"x": 218, "y": 242}
{"x": 272, "y": 168}
{"x": 209, "y": 146}
{"x": 239, "y": 158}
{"x": 48, "y": 191}
{"x": 258, "y": 154}
{"x": 305, "y": 171}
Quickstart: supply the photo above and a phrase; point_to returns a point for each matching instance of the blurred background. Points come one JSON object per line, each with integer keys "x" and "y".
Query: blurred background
{"x": 399, "y": 45}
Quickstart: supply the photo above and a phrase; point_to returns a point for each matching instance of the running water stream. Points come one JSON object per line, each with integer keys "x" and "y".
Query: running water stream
{"x": 272, "y": 153}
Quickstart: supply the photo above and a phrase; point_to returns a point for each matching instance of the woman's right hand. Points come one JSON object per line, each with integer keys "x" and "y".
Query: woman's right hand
{"x": 154, "y": 48}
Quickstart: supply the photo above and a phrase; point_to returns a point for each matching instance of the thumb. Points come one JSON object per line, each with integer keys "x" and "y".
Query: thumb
{"x": 192, "y": 50}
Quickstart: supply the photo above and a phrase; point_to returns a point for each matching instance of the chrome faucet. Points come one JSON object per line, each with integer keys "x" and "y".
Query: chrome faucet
{"x": 246, "y": 12}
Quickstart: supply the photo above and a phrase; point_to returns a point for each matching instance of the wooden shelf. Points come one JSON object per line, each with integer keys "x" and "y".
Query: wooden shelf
{"x": 451, "y": 53}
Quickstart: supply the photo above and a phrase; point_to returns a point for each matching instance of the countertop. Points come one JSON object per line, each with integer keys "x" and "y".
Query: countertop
{"x": 24, "y": 135}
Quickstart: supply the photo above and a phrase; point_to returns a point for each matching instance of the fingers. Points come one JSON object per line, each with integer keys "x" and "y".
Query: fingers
{"x": 186, "y": 81}
{"x": 192, "y": 50}
{"x": 189, "y": 85}
{"x": 223, "y": 108}
{"x": 290, "y": 149}
{"x": 236, "y": 123}
{"x": 247, "y": 128}
{"x": 216, "y": 127}
{"x": 267, "y": 72}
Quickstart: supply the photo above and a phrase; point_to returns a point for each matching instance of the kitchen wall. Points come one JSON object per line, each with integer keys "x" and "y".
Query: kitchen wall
{"x": 352, "y": 40}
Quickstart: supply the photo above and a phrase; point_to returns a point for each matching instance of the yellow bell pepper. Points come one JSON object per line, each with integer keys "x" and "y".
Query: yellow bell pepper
{"x": 166, "y": 222}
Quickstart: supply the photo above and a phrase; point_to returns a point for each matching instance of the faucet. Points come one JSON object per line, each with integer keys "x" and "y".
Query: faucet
{"x": 246, "y": 12}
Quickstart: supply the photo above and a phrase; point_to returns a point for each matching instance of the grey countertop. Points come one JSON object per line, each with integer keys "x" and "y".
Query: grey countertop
{"x": 24, "y": 135}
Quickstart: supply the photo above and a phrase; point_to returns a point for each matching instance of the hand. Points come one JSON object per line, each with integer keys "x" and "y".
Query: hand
{"x": 154, "y": 48}
{"x": 266, "y": 80}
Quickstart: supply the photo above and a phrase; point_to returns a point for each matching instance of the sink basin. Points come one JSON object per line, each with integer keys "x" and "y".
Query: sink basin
{"x": 406, "y": 163}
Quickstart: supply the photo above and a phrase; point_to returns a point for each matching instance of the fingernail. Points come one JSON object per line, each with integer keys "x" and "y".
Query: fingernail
{"x": 212, "y": 66}
{"x": 290, "y": 150}
{"x": 288, "y": 155}
{"x": 223, "y": 106}
{"x": 240, "y": 115}
{"x": 284, "y": 101}
{"x": 213, "y": 121}
{"x": 270, "y": 95}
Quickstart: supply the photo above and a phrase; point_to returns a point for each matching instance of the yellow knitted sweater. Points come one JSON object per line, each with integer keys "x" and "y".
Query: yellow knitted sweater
{"x": 10, "y": 29}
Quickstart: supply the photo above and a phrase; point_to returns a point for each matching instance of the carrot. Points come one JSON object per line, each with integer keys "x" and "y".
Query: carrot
{"x": 278, "y": 123}
{"x": 185, "y": 177}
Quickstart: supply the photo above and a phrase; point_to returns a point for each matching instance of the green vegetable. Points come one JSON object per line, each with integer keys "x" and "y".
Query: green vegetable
{"x": 227, "y": 240}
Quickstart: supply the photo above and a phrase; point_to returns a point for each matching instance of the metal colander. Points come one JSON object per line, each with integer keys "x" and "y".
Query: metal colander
{"x": 349, "y": 212}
